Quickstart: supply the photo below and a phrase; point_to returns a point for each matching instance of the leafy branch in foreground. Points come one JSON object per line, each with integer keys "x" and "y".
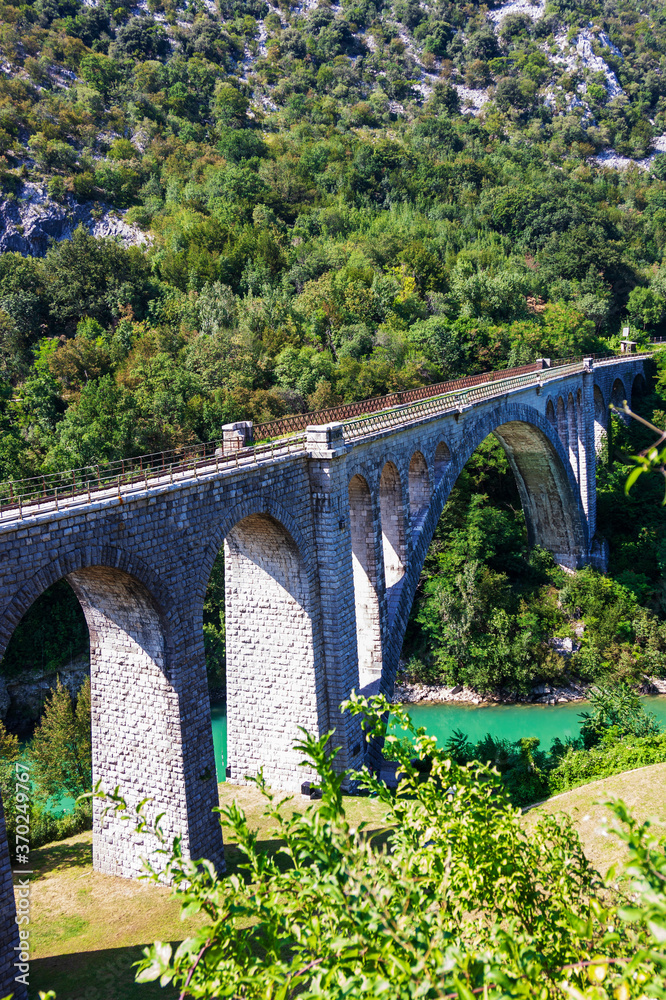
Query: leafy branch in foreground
{"x": 652, "y": 458}
{"x": 461, "y": 901}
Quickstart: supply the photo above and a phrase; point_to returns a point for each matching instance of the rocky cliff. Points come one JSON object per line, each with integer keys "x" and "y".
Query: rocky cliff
{"x": 29, "y": 219}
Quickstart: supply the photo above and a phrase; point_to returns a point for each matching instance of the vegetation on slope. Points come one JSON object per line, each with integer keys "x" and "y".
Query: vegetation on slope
{"x": 326, "y": 222}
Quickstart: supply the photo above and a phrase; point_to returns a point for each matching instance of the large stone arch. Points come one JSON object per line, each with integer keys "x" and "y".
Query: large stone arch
{"x": 275, "y": 678}
{"x": 554, "y": 515}
{"x": 105, "y": 555}
{"x": 151, "y": 731}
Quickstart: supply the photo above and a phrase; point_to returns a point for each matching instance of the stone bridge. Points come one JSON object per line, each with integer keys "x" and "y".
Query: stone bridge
{"x": 324, "y": 536}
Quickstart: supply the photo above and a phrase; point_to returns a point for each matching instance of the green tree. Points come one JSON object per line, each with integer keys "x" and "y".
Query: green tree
{"x": 61, "y": 749}
{"x": 90, "y": 276}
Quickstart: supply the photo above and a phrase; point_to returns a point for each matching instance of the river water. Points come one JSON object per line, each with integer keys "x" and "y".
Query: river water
{"x": 509, "y": 722}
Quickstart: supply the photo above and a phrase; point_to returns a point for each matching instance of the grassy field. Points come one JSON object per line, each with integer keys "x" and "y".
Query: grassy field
{"x": 88, "y": 928}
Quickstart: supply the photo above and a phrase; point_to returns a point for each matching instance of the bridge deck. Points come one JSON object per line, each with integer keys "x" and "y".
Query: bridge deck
{"x": 92, "y": 485}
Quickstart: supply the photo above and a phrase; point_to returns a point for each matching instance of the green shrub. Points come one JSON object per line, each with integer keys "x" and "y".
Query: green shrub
{"x": 465, "y": 901}
{"x": 611, "y": 756}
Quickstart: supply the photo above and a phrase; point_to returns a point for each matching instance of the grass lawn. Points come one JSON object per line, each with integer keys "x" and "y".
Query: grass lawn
{"x": 89, "y": 928}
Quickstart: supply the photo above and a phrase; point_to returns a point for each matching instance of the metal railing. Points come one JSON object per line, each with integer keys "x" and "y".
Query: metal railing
{"x": 92, "y": 483}
{"x": 451, "y": 401}
{"x": 334, "y": 414}
{"x": 101, "y": 481}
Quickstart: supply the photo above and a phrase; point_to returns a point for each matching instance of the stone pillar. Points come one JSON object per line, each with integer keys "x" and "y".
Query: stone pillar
{"x": 151, "y": 732}
{"x": 587, "y": 462}
{"x": 330, "y": 501}
{"x": 9, "y": 931}
{"x": 236, "y": 436}
{"x": 275, "y": 673}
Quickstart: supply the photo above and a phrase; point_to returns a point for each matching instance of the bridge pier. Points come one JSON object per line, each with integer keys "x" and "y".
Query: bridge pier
{"x": 151, "y": 731}
{"x": 327, "y": 469}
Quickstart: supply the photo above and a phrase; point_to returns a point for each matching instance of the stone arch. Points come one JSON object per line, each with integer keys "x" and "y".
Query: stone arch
{"x": 258, "y": 504}
{"x": 146, "y": 735}
{"x": 364, "y": 564}
{"x": 274, "y": 680}
{"x": 572, "y": 433}
{"x": 394, "y": 540}
{"x": 419, "y": 488}
{"x": 618, "y": 394}
{"x": 550, "y": 414}
{"x": 600, "y": 421}
{"x": 548, "y": 490}
{"x": 562, "y": 423}
{"x": 52, "y": 572}
{"x": 442, "y": 460}
{"x": 638, "y": 387}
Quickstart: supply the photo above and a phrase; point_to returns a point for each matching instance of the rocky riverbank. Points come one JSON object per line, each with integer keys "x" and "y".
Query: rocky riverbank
{"x": 541, "y": 694}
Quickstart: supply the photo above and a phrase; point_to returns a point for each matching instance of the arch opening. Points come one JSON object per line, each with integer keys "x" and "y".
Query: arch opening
{"x": 618, "y": 397}
{"x": 469, "y": 623}
{"x": 572, "y": 433}
{"x": 442, "y": 460}
{"x": 272, "y": 681}
{"x": 419, "y": 488}
{"x": 562, "y": 423}
{"x": 638, "y": 388}
{"x": 50, "y": 641}
{"x": 550, "y": 414}
{"x": 600, "y": 423}
{"x": 547, "y": 496}
{"x": 364, "y": 565}
{"x": 393, "y": 531}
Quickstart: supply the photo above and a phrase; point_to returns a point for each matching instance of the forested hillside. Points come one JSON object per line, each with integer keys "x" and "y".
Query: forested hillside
{"x": 326, "y": 202}
{"x": 318, "y": 203}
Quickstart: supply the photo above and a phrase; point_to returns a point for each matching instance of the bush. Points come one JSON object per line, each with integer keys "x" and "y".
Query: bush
{"x": 610, "y": 756}
{"x": 345, "y": 918}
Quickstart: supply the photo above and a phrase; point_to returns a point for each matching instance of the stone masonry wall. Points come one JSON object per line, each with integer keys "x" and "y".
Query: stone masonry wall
{"x": 136, "y": 733}
{"x": 275, "y": 680}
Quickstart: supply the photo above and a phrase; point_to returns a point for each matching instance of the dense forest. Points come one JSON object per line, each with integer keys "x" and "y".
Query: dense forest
{"x": 324, "y": 202}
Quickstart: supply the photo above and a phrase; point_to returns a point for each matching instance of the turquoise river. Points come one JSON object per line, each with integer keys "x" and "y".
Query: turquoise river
{"x": 510, "y": 722}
